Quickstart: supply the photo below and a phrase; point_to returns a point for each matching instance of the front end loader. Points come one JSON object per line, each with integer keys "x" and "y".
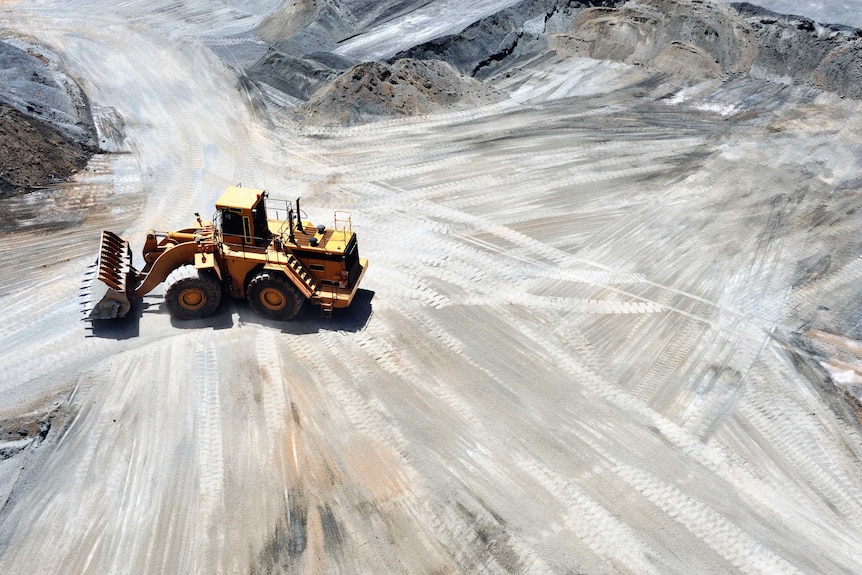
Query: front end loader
{"x": 254, "y": 248}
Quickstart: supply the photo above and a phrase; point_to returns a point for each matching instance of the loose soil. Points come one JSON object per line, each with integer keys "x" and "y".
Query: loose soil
{"x": 33, "y": 154}
{"x": 407, "y": 87}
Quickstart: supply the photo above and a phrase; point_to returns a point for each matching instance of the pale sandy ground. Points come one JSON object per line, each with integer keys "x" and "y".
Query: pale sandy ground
{"x": 570, "y": 355}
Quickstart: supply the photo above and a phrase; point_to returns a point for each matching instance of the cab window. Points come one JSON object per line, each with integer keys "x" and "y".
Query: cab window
{"x": 231, "y": 223}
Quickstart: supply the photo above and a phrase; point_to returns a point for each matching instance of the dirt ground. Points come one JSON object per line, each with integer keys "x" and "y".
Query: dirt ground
{"x": 33, "y": 155}
{"x": 611, "y": 322}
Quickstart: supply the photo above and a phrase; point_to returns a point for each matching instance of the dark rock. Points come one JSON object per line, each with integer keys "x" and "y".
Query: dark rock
{"x": 296, "y": 76}
{"x": 797, "y": 49}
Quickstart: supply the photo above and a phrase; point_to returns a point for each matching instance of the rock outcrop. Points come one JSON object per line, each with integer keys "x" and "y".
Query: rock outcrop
{"x": 682, "y": 37}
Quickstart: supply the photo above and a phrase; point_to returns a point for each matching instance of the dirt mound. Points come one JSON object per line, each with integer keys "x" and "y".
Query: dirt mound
{"x": 378, "y": 90}
{"x": 793, "y": 48}
{"x": 46, "y": 129}
{"x": 684, "y": 37}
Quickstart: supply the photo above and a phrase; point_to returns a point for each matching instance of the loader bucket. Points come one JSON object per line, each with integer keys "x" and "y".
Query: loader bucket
{"x": 106, "y": 283}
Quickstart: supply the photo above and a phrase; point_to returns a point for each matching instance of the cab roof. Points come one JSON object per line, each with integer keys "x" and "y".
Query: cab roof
{"x": 238, "y": 197}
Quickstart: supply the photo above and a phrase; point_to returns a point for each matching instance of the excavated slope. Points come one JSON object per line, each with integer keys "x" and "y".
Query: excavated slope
{"x": 46, "y": 130}
{"x": 793, "y": 48}
{"x": 679, "y": 36}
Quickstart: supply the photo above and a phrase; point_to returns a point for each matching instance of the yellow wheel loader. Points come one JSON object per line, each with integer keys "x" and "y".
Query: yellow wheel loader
{"x": 254, "y": 248}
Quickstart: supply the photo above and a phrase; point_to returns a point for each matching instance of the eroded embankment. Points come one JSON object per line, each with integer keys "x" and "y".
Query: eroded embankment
{"x": 46, "y": 128}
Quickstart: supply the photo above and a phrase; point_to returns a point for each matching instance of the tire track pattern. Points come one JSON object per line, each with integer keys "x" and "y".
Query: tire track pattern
{"x": 210, "y": 456}
{"x": 721, "y": 534}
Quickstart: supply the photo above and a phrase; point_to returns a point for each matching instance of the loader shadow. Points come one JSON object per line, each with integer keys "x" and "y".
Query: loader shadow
{"x": 221, "y": 319}
{"x": 123, "y": 328}
{"x": 309, "y": 319}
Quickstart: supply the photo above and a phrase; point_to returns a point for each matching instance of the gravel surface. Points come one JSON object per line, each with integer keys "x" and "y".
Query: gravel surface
{"x": 611, "y": 322}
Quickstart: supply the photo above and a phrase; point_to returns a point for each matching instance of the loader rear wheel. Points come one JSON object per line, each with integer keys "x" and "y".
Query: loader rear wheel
{"x": 191, "y": 293}
{"x": 273, "y": 296}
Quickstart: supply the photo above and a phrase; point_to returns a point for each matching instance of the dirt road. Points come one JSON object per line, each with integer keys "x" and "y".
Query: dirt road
{"x": 574, "y": 352}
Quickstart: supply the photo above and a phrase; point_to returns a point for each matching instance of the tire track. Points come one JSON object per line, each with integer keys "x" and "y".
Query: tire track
{"x": 554, "y": 255}
{"x": 745, "y": 553}
{"x": 435, "y": 212}
{"x": 684, "y": 443}
{"x": 594, "y": 525}
{"x": 767, "y": 252}
{"x": 803, "y": 452}
{"x": 569, "y": 304}
{"x": 275, "y": 398}
{"x": 444, "y": 524}
{"x": 210, "y": 457}
{"x": 387, "y": 350}
{"x": 715, "y": 387}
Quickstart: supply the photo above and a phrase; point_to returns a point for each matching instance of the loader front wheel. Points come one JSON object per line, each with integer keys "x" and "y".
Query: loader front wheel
{"x": 273, "y": 296}
{"x": 191, "y": 293}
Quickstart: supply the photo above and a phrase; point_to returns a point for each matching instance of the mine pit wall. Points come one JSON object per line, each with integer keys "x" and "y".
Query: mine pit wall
{"x": 796, "y": 49}
{"x": 689, "y": 40}
{"x": 496, "y": 43}
{"x": 701, "y": 40}
{"x": 301, "y": 62}
{"x": 679, "y": 37}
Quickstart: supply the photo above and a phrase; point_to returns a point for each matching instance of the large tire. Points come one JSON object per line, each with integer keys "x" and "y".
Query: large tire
{"x": 191, "y": 293}
{"x": 273, "y": 296}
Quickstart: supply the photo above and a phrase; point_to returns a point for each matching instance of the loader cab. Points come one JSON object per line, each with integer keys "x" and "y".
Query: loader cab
{"x": 241, "y": 214}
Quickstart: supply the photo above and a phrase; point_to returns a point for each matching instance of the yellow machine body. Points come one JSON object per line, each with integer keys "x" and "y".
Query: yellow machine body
{"x": 255, "y": 248}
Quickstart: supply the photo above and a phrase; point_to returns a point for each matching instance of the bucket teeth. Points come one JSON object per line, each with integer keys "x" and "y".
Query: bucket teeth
{"x": 108, "y": 297}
